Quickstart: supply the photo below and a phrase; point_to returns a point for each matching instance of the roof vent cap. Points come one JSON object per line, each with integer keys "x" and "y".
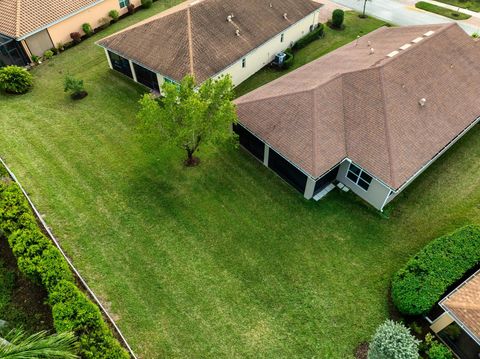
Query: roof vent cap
{"x": 422, "y": 102}
{"x": 369, "y": 43}
{"x": 285, "y": 16}
{"x": 237, "y": 32}
{"x": 271, "y": 5}
{"x": 230, "y": 18}
{"x": 429, "y": 33}
{"x": 372, "y": 51}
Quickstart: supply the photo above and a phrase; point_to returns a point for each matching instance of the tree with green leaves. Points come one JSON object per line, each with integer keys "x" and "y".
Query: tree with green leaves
{"x": 187, "y": 116}
{"x": 18, "y": 345}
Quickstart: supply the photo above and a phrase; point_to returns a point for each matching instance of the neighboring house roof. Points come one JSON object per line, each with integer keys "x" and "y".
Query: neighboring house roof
{"x": 198, "y": 39}
{"x": 365, "y": 106}
{"x": 22, "y": 17}
{"x": 464, "y": 304}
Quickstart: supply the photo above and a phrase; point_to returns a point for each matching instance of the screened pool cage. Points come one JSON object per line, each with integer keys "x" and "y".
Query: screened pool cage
{"x": 11, "y": 52}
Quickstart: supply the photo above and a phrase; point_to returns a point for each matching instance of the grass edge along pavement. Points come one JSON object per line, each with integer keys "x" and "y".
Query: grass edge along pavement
{"x": 452, "y": 14}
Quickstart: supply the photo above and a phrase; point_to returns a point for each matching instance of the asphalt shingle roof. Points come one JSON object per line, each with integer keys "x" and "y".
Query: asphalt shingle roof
{"x": 364, "y": 104}
{"x": 199, "y": 39}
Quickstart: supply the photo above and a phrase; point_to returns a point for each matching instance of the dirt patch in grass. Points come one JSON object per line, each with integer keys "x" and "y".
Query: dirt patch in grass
{"x": 362, "y": 351}
{"x": 22, "y": 302}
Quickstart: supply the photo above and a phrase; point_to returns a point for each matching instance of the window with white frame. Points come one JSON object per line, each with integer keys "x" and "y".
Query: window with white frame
{"x": 123, "y": 3}
{"x": 244, "y": 63}
{"x": 359, "y": 177}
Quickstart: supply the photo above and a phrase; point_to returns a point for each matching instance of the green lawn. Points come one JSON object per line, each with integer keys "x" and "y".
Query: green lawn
{"x": 473, "y": 5}
{"x": 441, "y": 11}
{"x": 354, "y": 26}
{"x": 224, "y": 260}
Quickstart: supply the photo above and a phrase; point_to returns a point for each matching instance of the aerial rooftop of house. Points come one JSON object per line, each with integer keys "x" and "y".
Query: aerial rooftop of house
{"x": 19, "y": 18}
{"x": 207, "y": 36}
{"x": 390, "y": 102}
{"x": 464, "y": 305}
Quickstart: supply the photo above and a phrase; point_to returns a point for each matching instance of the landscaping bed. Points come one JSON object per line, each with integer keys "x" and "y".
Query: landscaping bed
{"x": 442, "y": 11}
{"x": 224, "y": 259}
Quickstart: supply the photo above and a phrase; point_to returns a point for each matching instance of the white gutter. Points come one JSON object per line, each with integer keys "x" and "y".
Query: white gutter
{"x": 226, "y": 68}
{"x": 450, "y": 144}
{"x": 23, "y": 37}
{"x": 457, "y": 320}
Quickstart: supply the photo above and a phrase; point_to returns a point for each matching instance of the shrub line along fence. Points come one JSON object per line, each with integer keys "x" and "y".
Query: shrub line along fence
{"x": 74, "y": 269}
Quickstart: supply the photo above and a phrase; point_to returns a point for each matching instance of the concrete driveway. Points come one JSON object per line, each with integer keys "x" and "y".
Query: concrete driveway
{"x": 403, "y": 13}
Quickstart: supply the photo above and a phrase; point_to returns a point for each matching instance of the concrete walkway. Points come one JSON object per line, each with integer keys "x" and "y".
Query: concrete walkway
{"x": 404, "y": 13}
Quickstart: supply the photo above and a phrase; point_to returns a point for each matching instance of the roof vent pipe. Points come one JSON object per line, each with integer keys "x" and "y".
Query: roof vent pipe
{"x": 372, "y": 51}
{"x": 422, "y": 102}
{"x": 271, "y": 5}
{"x": 285, "y": 16}
{"x": 237, "y": 32}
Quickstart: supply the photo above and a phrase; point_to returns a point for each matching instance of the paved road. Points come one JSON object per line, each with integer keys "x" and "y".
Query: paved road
{"x": 402, "y": 12}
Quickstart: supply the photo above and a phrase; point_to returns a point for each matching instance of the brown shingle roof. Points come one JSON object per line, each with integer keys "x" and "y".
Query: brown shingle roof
{"x": 21, "y": 17}
{"x": 365, "y": 106}
{"x": 200, "y": 37}
{"x": 464, "y": 304}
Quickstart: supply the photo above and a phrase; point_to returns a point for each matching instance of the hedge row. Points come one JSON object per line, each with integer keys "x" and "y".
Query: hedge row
{"x": 423, "y": 281}
{"x": 310, "y": 37}
{"x": 43, "y": 263}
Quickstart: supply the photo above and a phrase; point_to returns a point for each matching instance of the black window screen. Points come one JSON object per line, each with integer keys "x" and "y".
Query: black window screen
{"x": 250, "y": 142}
{"x": 146, "y": 77}
{"x": 120, "y": 64}
{"x": 287, "y": 171}
{"x": 11, "y": 52}
{"x": 326, "y": 180}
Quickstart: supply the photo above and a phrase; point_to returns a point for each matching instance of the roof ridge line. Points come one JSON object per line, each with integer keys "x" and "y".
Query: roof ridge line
{"x": 387, "y": 128}
{"x": 314, "y": 132}
{"x": 18, "y": 18}
{"x": 342, "y": 77}
{"x": 190, "y": 42}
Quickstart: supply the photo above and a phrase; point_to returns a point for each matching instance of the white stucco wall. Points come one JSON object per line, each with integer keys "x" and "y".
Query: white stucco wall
{"x": 263, "y": 55}
{"x": 377, "y": 192}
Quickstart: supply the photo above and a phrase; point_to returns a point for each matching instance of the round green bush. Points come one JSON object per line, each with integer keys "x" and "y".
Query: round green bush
{"x": 15, "y": 80}
{"x": 393, "y": 341}
{"x": 147, "y": 4}
{"x": 337, "y": 18}
{"x": 48, "y": 54}
{"x": 87, "y": 29}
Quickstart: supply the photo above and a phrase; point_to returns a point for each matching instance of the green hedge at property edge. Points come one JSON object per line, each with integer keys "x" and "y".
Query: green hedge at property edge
{"x": 425, "y": 278}
{"x": 452, "y": 14}
{"x": 43, "y": 263}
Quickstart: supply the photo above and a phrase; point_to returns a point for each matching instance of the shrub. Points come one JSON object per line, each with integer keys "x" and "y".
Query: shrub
{"x": 436, "y": 350}
{"x": 114, "y": 15}
{"x": 87, "y": 29}
{"x": 424, "y": 279}
{"x": 76, "y": 37}
{"x": 48, "y": 54}
{"x": 337, "y": 18}
{"x": 393, "y": 341}
{"x": 288, "y": 62}
{"x": 75, "y": 87}
{"x": 131, "y": 9}
{"x": 60, "y": 47}
{"x": 310, "y": 37}
{"x": 40, "y": 260}
{"x": 147, "y": 4}
{"x": 15, "y": 80}
{"x": 476, "y": 35}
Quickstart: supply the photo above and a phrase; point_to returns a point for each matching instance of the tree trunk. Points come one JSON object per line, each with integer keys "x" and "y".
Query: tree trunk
{"x": 191, "y": 160}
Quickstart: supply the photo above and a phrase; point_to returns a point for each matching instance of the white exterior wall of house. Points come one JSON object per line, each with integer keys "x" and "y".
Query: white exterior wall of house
{"x": 263, "y": 55}
{"x": 377, "y": 194}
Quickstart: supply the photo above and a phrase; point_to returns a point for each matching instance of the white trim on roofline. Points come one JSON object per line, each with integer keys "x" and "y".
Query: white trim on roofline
{"x": 228, "y": 66}
{"x": 457, "y": 320}
{"x": 434, "y": 158}
{"x": 59, "y": 20}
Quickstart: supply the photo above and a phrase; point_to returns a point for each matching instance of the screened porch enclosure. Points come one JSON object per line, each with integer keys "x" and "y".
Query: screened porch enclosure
{"x": 11, "y": 52}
